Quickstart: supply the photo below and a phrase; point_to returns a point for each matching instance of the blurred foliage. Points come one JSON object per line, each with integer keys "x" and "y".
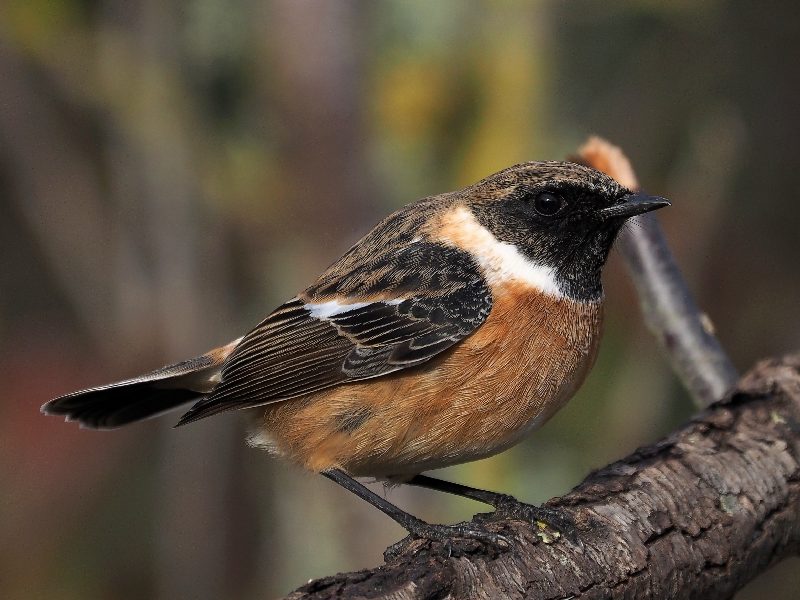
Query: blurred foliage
{"x": 169, "y": 171}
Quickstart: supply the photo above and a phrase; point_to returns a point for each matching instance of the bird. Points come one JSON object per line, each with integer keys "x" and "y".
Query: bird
{"x": 453, "y": 329}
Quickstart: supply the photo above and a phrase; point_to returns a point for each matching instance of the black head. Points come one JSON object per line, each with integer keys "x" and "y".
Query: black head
{"x": 560, "y": 215}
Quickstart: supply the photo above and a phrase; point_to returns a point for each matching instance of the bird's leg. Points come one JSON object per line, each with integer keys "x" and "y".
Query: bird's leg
{"x": 416, "y": 527}
{"x": 505, "y": 506}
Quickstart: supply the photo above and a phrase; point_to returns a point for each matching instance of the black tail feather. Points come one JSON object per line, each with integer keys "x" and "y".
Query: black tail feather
{"x": 162, "y": 390}
{"x": 112, "y": 407}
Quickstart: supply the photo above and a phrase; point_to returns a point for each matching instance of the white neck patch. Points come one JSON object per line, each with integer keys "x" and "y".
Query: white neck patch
{"x": 501, "y": 262}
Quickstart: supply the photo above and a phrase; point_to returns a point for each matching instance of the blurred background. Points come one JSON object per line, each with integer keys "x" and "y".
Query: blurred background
{"x": 172, "y": 170}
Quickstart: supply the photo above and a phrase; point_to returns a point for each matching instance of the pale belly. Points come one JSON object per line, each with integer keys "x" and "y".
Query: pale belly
{"x": 522, "y": 365}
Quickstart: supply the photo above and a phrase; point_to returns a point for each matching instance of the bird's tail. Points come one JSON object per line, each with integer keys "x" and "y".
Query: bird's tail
{"x": 116, "y": 404}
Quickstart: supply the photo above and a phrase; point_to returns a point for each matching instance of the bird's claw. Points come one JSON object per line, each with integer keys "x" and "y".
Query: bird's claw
{"x": 541, "y": 517}
{"x": 446, "y": 534}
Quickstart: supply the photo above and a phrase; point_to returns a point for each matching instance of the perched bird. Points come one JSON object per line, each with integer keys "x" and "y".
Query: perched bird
{"x": 455, "y": 327}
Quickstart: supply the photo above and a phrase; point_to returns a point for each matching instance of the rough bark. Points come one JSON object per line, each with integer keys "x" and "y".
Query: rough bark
{"x": 696, "y": 515}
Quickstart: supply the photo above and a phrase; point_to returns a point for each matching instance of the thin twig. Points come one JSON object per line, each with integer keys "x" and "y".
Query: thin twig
{"x": 670, "y": 311}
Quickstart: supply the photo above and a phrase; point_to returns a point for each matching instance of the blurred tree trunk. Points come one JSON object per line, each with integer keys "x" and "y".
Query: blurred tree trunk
{"x": 34, "y": 134}
{"x": 166, "y": 294}
{"x": 313, "y": 81}
{"x": 318, "y": 77}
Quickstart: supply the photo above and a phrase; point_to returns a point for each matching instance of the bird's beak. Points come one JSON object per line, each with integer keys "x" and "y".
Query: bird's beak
{"x": 632, "y": 205}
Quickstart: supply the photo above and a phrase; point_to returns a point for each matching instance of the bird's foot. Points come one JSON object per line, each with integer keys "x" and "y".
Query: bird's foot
{"x": 446, "y": 535}
{"x": 550, "y": 524}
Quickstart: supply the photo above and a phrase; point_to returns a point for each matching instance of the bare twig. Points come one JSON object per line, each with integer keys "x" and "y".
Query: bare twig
{"x": 670, "y": 311}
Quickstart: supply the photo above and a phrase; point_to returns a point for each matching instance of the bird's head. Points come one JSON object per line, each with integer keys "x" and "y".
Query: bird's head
{"x": 559, "y": 215}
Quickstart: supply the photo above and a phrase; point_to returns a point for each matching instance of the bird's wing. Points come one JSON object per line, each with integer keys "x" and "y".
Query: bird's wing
{"x": 410, "y": 305}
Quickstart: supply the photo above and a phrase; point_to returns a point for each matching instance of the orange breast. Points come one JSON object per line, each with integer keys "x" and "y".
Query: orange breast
{"x": 473, "y": 401}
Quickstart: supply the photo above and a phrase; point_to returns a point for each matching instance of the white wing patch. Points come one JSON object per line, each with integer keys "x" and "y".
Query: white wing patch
{"x": 332, "y": 308}
{"x": 501, "y": 262}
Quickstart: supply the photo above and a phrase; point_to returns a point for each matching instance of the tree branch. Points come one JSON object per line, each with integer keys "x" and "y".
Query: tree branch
{"x": 684, "y": 332}
{"x": 696, "y": 515}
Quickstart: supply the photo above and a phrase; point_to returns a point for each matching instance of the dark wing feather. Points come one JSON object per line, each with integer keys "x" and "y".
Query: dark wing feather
{"x": 436, "y": 297}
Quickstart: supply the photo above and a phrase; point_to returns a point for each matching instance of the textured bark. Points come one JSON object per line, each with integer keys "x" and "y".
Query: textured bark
{"x": 696, "y": 515}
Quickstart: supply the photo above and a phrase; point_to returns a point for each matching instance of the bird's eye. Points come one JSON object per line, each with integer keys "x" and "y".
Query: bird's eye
{"x": 548, "y": 204}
